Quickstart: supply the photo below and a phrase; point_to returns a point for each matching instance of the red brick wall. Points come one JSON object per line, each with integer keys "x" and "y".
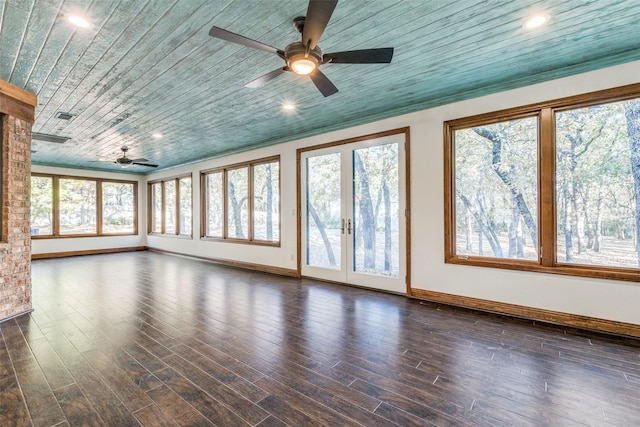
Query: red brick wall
{"x": 15, "y": 244}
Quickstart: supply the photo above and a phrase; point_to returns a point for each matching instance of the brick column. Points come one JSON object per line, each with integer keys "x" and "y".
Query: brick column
{"x": 15, "y": 239}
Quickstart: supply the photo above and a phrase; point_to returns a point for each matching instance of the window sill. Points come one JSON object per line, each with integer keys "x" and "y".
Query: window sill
{"x": 241, "y": 241}
{"x": 74, "y": 236}
{"x": 172, "y": 236}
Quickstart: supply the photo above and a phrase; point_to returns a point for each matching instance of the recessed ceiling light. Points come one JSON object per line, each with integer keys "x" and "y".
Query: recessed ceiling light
{"x": 78, "y": 21}
{"x": 535, "y": 21}
{"x": 156, "y": 135}
{"x": 288, "y": 106}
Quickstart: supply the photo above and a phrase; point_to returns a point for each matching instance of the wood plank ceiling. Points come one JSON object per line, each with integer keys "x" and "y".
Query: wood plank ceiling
{"x": 149, "y": 66}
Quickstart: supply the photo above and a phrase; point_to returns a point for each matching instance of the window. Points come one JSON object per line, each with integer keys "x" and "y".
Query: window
{"x": 118, "y": 207}
{"x": 496, "y": 189}
{"x": 41, "y": 205}
{"x": 242, "y": 202}
{"x": 78, "y": 206}
{"x": 63, "y": 206}
{"x": 214, "y": 206}
{"x": 553, "y": 187}
{"x": 170, "y": 206}
{"x": 184, "y": 218}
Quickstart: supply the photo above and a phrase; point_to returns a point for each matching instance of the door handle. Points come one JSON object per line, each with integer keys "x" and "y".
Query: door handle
{"x": 349, "y": 226}
{"x": 342, "y": 228}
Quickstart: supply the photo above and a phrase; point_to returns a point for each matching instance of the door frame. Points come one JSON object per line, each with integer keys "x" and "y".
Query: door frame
{"x": 399, "y": 131}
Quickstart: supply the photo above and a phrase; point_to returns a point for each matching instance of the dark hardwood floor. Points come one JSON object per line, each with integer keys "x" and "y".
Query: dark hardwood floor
{"x": 155, "y": 340}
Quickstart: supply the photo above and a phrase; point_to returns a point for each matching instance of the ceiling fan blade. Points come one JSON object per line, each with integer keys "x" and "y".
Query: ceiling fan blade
{"x": 323, "y": 83}
{"x": 219, "y": 33}
{"x": 364, "y": 56}
{"x": 318, "y": 14}
{"x": 266, "y": 78}
{"x": 145, "y": 164}
{"x": 139, "y": 160}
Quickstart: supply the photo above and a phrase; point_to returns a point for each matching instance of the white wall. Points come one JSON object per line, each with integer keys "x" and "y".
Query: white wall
{"x": 605, "y": 299}
{"x": 70, "y": 244}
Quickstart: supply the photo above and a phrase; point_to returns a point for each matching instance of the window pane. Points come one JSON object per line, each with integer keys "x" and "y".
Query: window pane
{"x": 597, "y": 185}
{"x": 170, "y": 207}
{"x": 266, "y": 202}
{"x": 185, "y": 205}
{"x": 324, "y": 211}
{"x": 496, "y": 180}
{"x": 117, "y": 207}
{"x": 156, "y": 207}
{"x": 215, "y": 206}
{"x": 375, "y": 205}
{"x": 41, "y": 206}
{"x": 237, "y": 210}
{"x": 77, "y": 206}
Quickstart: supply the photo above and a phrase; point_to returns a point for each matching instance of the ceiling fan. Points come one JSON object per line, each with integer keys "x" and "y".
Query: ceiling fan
{"x": 304, "y": 57}
{"x": 125, "y": 161}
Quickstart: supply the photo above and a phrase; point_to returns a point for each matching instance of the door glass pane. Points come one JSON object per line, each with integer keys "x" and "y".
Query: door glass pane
{"x": 266, "y": 202}
{"x": 77, "y": 206}
{"x": 598, "y": 185}
{"x": 215, "y": 205}
{"x": 496, "y": 188}
{"x": 117, "y": 207}
{"x": 237, "y": 203}
{"x": 375, "y": 210}
{"x": 323, "y": 211}
{"x": 156, "y": 207}
{"x": 41, "y": 206}
{"x": 170, "y": 207}
{"x": 185, "y": 205}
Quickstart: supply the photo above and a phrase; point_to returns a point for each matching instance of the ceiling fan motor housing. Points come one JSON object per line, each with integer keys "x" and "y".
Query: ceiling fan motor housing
{"x": 297, "y": 51}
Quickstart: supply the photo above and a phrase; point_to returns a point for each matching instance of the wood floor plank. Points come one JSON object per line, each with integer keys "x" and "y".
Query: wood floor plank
{"x": 152, "y": 416}
{"x": 240, "y": 405}
{"x": 422, "y": 411}
{"x": 53, "y": 368}
{"x": 272, "y": 421}
{"x": 144, "y": 357}
{"x": 287, "y": 413}
{"x": 137, "y": 373}
{"x": 101, "y": 397}
{"x": 131, "y": 395}
{"x": 219, "y": 372}
{"x": 188, "y": 343}
{"x": 176, "y": 408}
{"x": 13, "y": 409}
{"x": 41, "y": 402}
{"x": 306, "y": 405}
{"x": 38, "y": 396}
{"x": 208, "y": 406}
{"x": 76, "y": 407}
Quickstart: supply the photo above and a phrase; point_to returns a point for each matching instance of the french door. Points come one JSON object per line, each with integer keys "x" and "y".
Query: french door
{"x": 353, "y": 224}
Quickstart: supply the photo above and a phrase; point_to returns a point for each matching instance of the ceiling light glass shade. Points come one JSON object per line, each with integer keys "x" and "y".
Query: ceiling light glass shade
{"x": 303, "y": 66}
{"x": 79, "y": 21}
{"x": 125, "y": 165}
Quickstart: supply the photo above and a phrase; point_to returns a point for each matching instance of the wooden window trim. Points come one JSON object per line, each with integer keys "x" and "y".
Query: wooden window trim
{"x": 55, "y": 227}
{"x": 546, "y": 163}
{"x": 250, "y": 227}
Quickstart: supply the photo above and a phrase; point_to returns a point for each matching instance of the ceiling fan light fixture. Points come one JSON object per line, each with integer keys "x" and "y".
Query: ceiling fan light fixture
{"x": 302, "y": 61}
{"x": 303, "y": 66}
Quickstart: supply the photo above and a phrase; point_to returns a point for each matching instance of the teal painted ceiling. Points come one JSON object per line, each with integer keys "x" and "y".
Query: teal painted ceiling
{"x": 149, "y": 66}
